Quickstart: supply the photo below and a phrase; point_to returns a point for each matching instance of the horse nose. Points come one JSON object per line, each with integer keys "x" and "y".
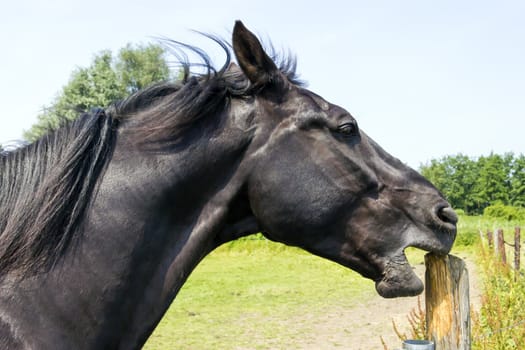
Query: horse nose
{"x": 446, "y": 214}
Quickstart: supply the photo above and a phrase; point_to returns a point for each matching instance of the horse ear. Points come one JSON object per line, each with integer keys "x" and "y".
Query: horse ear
{"x": 254, "y": 62}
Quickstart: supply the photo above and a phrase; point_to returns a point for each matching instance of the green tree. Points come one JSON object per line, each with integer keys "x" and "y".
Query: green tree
{"x": 138, "y": 68}
{"x": 517, "y": 182}
{"x": 472, "y": 184}
{"x": 106, "y": 80}
{"x": 454, "y": 176}
{"x": 463, "y": 170}
{"x": 493, "y": 182}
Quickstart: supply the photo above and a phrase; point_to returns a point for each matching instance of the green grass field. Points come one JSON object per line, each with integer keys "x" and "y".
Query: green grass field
{"x": 246, "y": 293}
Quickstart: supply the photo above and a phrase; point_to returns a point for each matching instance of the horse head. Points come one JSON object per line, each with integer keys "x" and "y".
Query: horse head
{"x": 317, "y": 181}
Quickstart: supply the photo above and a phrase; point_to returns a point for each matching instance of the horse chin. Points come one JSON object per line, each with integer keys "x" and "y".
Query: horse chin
{"x": 398, "y": 279}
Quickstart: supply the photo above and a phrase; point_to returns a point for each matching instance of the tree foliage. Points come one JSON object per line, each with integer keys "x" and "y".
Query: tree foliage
{"x": 473, "y": 184}
{"x": 109, "y": 78}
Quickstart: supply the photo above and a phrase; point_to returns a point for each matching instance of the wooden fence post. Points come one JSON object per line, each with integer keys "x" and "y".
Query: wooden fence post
{"x": 490, "y": 238}
{"x": 501, "y": 246}
{"x": 447, "y": 302}
{"x": 517, "y": 247}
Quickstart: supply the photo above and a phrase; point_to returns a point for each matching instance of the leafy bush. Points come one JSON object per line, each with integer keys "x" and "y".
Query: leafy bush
{"x": 460, "y": 212}
{"x": 505, "y": 212}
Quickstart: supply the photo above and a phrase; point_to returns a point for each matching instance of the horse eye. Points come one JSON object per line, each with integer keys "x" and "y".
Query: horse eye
{"x": 348, "y": 129}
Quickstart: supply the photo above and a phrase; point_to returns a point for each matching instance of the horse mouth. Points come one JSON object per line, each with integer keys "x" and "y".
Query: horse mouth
{"x": 398, "y": 279}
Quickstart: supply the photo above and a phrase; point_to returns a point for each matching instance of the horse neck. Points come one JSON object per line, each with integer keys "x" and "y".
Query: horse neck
{"x": 182, "y": 227}
{"x": 155, "y": 216}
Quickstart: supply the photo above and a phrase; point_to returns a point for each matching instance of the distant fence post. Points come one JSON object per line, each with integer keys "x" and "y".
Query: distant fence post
{"x": 490, "y": 238}
{"x": 500, "y": 248}
{"x": 447, "y": 302}
{"x": 517, "y": 248}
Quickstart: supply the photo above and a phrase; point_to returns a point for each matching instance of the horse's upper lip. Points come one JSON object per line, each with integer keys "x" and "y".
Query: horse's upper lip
{"x": 440, "y": 245}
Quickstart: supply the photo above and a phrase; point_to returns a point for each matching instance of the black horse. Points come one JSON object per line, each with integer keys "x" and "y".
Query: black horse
{"x": 102, "y": 221}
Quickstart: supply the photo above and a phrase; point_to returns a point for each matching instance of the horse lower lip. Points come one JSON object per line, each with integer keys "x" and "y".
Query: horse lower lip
{"x": 399, "y": 280}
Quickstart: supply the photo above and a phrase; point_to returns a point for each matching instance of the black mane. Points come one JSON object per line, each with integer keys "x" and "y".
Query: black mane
{"x": 46, "y": 186}
{"x": 161, "y": 113}
{"x": 45, "y": 189}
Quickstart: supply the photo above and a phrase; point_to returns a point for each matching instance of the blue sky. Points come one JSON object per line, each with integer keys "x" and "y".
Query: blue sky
{"x": 424, "y": 79}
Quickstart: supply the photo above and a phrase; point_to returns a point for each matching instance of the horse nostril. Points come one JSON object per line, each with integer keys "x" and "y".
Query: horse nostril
{"x": 448, "y": 215}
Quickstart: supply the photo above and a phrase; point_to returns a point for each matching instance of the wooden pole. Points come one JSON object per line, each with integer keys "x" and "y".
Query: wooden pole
{"x": 496, "y": 246}
{"x": 517, "y": 248}
{"x": 501, "y": 246}
{"x": 447, "y": 302}
{"x": 489, "y": 238}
